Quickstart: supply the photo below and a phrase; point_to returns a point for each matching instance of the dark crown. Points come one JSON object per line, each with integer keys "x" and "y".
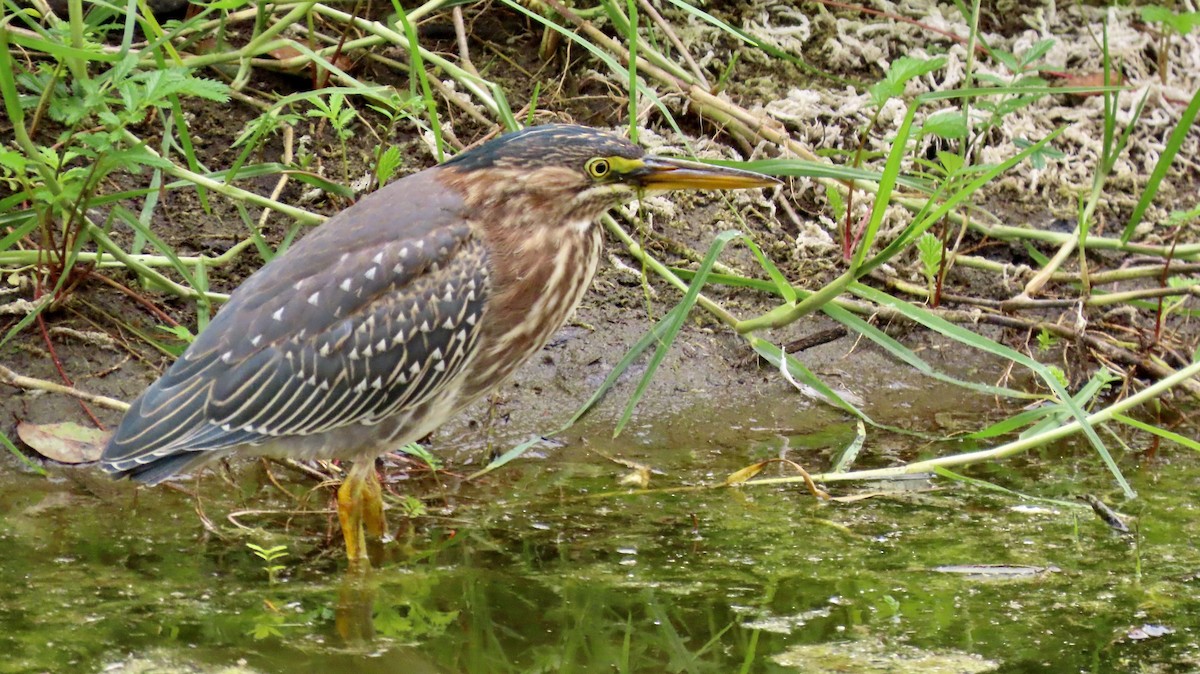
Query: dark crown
{"x": 547, "y": 145}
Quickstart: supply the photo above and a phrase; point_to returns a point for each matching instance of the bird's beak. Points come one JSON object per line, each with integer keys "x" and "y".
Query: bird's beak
{"x": 662, "y": 173}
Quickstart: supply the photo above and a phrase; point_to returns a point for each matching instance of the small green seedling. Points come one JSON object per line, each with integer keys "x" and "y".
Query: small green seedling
{"x": 340, "y": 115}
{"x": 1046, "y": 340}
{"x": 270, "y": 556}
{"x": 929, "y": 249}
{"x": 1179, "y": 23}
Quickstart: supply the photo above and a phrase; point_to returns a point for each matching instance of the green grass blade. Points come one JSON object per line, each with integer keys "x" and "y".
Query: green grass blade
{"x": 983, "y": 484}
{"x": 775, "y": 356}
{"x": 673, "y": 327}
{"x": 631, "y": 40}
{"x": 23, "y": 227}
{"x": 606, "y": 58}
{"x": 8, "y": 444}
{"x": 1163, "y": 433}
{"x": 506, "y": 457}
{"x": 1016, "y": 90}
{"x": 60, "y": 51}
{"x": 782, "y": 287}
{"x": 803, "y": 168}
{"x": 504, "y": 109}
{"x": 977, "y": 341}
{"x": 906, "y": 355}
{"x": 150, "y": 235}
{"x": 887, "y": 184}
{"x": 189, "y": 150}
{"x": 848, "y": 455}
{"x": 417, "y": 66}
{"x": 653, "y": 336}
{"x": 728, "y": 280}
{"x": 920, "y": 226}
{"x": 1174, "y": 142}
{"x": 755, "y": 42}
{"x": 268, "y": 169}
{"x": 1016, "y": 421}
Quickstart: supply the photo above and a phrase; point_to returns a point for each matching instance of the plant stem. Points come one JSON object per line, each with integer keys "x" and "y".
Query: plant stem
{"x": 1009, "y": 448}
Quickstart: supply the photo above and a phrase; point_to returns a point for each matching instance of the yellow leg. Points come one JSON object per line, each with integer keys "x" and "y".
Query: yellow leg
{"x": 360, "y": 511}
{"x": 350, "y": 514}
{"x": 374, "y": 523}
{"x": 373, "y": 518}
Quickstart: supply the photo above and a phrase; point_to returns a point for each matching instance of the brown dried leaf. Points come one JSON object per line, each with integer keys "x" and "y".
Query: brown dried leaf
{"x": 67, "y": 442}
{"x": 740, "y": 476}
{"x": 1094, "y": 79}
{"x": 284, "y": 53}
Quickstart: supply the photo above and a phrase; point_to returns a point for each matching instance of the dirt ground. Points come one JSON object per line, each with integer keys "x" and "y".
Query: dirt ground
{"x": 793, "y": 226}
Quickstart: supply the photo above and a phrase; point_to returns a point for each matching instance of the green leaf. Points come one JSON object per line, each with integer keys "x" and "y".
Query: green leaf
{"x": 1059, "y": 375}
{"x": 1156, "y": 14}
{"x": 836, "y": 203}
{"x": 1037, "y": 51}
{"x": 1180, "y": 22}
{"x": 13, "y": 161}
{"x": 389, "y": 161}
{"x": 1038, "y": 158}
{"x": 1046, "y": 340}
{"x": 949, "y": 125}
{"x": 929, "y": 249}
{"x": 899, "y": 73}
{"x": 1007, "y": 60}
{"x": 951, "y": 162}
{"x": 419, "y": 451}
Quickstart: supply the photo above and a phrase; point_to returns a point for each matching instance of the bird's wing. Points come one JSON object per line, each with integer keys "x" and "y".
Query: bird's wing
{"x": 369, "y": 314}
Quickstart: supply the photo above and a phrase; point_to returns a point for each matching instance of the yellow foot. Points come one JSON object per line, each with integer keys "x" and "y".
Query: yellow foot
{"x": 360, "y": 511}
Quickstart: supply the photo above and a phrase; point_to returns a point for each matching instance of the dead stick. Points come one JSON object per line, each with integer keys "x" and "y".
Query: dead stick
{"x": 11, "y": 378}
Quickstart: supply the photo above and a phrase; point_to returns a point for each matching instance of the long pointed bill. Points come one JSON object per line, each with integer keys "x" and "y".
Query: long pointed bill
{"x": 662, "y": 173}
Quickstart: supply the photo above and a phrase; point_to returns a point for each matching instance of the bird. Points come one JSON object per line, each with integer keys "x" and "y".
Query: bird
{"x": 396, "y": 313}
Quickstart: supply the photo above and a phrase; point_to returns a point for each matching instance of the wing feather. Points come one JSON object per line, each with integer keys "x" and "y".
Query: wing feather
{"x": 324, "y": 336}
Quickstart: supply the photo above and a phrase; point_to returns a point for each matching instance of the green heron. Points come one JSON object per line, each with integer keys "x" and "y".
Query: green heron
{"x": 398, "y": 312}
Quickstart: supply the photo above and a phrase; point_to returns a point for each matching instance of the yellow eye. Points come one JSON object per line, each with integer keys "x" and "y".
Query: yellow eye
{"x": 598, "y": 168}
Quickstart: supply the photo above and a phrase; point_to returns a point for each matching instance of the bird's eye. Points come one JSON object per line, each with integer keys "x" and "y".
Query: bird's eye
{"x": 598, "y": 168}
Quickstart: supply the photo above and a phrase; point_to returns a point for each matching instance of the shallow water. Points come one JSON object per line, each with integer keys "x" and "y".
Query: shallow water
{"x": 550, "y": 565}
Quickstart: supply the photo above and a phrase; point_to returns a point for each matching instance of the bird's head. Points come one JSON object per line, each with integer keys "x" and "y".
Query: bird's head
{"x": 575, "y": 173}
